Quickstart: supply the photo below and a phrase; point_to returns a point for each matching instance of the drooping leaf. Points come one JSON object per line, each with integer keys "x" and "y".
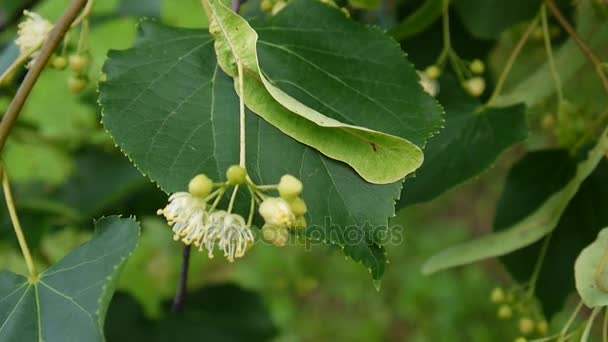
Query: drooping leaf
{"x": 222, "y": 312}
{"x": 590, "y": 272}
{"x": 470, "y": 142}
{"x": 378, "y": 157}
{"x": 530, "y": 229}
{"x": 488, "y": 18}
{"x": 175, "y": 114}
{"x": 530, "y": 182}
{"x": 69, "y": 301}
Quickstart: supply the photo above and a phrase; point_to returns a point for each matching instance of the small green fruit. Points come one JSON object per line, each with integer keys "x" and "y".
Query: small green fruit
{"x": 200, "y": 186}
{"x": 433, "y": 72}
{"x": 59, "y": 62}
{"x": 236, "y": 175}
{"x": 78, "y": 63}
{"x": 477, "y": 66}
{"x": 505, "y": 312}
{"x": 77, "y": 84}
{"x": 475, "y": 86}
{"x": 526, "y": 326}
{"x": 290, "y": 187}
{"x": 266, "y": 6}
{"x": 542, "y": 327}
{"x": 497, "y": 296}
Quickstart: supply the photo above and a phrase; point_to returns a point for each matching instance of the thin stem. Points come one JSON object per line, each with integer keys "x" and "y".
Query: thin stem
{"x": 564, "y": 332}
{"x": 511, "y": 61}
{"x": 587, "y": 331}
{"x": 213, "y": 194}
{"x": 242, "y": 115}
{"x": 447, "y": 42}
{"x": 179, "y": 302}
{"x": 605, "y": 326}
{"x": 10, "y": 204}
{"x": 232, "y": 198}
{"x": 86, "y": 12}
{"x": 267, "y": 187}
{"x": 217, "y": 199}
{"x": 549, "y": 50}
{"x": 53, "y": 40}
{"x": 251, "y": 207}
{"x": 585, "y": 48}
{"x": 538, "y": 266}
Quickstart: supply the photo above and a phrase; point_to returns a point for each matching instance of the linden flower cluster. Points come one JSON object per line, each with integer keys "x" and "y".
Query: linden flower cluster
{"x": 32, "y": 32}
{"x": 196, "y": 220}
{"x": 515, "y": 302}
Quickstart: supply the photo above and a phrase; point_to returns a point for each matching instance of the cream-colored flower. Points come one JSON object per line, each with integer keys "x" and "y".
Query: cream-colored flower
{"x": 430, "y": 86}
{"x": 277, "y": 212}
{"x": 187, "y": 215}
{"x": 229, "y": 232}
{"x": 32, "y": 32}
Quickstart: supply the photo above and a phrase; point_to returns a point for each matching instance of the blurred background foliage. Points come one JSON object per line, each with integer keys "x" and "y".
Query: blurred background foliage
{"x": 66, "y": 170}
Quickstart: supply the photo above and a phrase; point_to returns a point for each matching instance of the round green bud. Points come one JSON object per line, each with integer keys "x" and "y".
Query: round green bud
{"x": 78, "y": 63}
{"x": 266, "y": 6}
{"x": 236, "y": 175}
{"x": 277, "y": 235}
{"x": 521, "y": 339}
{"x": 59, "y": 62}
{"x": 298, "y": 206}
{"x": 477, "y": 66}
{"x": 526, "y": 326}
{"x": 290, "y": 187}
{"x": 200, "y": 186}
{"x": 497, "y": 295}
{"x": 548, "y": 122}
{"x": 433, "y": 72}
{"x": 542, "y": 327}
{"x": 505, "y": 312}
{"x": 475, "y": 86}
{"x": 77, "y": 84}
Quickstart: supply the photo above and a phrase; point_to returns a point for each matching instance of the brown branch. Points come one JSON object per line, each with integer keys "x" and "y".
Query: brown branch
{"x": 587, "y": 51}
{"x": 54, "y": 39}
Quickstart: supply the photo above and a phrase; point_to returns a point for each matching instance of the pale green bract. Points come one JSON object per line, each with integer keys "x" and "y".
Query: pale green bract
{"x": 377, "y": 157}
{"x": 590, "y": 272}
{"x": 69, "y": 301}
{"x": 529, "y": 230}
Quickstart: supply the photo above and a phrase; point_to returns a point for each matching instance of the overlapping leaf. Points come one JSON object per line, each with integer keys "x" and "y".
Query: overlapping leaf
{"x": 69, "y": 301}
{"x": 378, "y": 157}
{"x": 530, "y": 229}
{"x": 175, "y": 114}
{"x": 591, "y": 273}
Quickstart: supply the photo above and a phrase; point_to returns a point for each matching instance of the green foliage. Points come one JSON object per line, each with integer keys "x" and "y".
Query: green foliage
{"x": 590, "y": 272}
{"x": 223, "y": 312}
{"x": 526, "y": 231}
{"x": 171, "y": 162}
{"x": 473, "y": 138}
{"x": 488, "y": 18}
{"x": 68, "y": 302}
{"x": 529, "y": 183}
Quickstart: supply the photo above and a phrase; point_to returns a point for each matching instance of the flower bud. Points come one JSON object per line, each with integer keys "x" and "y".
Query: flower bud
{"x": 475, "y": 86}
{"x": 497, "y": 296}
{"x": 277, "y": 235}
{"x": 236, "y": 175}
{"x": 290, "y": 187}
{"x": 433, "y": 72}
{"x": 526, "y": 326}
{"x": 521, "y": 339}
{"x": 266, "y": 6}
{"x": 276, "y": 211}
{"x": 78, "y": 63}
{"x": 298, "y": 206}
{"x": 505, "y": 312}
{"x": 200, "y": 186}
{"x": 477, "y": 66}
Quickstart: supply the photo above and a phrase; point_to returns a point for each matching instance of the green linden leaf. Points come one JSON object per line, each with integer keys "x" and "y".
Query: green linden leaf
{"x": 175, "y": 114}
{"x": 469, "y": 144}
{"x": 529, "y": 183}
{"x": 69, "y": 301}
{"x": 591, "y": 274}
{"x": 378, "y": 157}
{"x": 486, "y": 19}
{"x": 530, "y": 229}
